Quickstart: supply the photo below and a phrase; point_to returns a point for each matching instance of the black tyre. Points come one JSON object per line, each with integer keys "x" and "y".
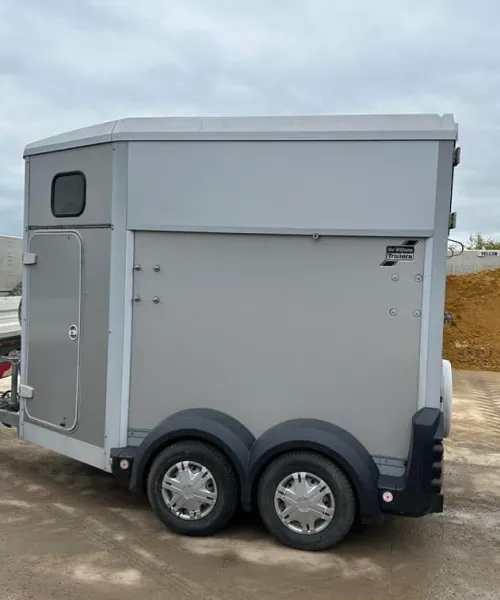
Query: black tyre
{"x": 192, "y": 488}
{"x": 306, "y": 501}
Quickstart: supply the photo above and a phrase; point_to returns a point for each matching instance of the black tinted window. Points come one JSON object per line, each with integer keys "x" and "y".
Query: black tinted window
{"x": 68, "y": 194}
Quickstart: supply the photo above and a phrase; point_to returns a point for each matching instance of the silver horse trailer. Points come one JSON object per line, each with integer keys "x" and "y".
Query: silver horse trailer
{"x": 244, "y": 312}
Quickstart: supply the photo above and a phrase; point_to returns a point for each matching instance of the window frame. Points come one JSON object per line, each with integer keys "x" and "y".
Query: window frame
{"x": 52, "y": 194}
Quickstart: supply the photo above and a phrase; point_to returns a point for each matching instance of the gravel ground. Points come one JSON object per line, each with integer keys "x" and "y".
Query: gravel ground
{"x": 70, "y": 531}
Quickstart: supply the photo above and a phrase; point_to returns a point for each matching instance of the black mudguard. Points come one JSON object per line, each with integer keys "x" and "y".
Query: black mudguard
{"x": 328, "y": 439}
{"x": 215, "y": 427}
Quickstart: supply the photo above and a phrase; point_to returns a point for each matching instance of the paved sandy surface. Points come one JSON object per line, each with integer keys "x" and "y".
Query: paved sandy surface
{"x": 69, "y": 531}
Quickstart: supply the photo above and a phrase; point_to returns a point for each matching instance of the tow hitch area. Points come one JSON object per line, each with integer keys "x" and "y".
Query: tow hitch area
{"x": 9, "y": 400}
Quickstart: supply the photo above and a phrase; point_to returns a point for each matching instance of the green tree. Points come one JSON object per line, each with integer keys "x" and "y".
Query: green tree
{"x": 478, "y": 241}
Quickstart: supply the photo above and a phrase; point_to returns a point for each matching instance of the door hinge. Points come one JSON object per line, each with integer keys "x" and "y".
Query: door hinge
{"x": 456, "y": 156}
{"x": 26, "y": 392}
{"x": 29, "y": 258}
{"x": 452, "y": 221}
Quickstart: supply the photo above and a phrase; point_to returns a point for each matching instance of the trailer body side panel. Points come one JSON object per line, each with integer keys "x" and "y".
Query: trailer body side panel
{"x": 344, "y": 187}
{"x": 270, "y": 328}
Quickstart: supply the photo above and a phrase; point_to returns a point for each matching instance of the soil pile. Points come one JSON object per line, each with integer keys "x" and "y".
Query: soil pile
{"x": 472, "y": 337}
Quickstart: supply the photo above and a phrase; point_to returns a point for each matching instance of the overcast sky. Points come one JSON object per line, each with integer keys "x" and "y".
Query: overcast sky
{"x": 70, "y": 63}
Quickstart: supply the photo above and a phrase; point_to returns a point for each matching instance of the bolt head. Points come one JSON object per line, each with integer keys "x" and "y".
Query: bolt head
{"x": 418, "y": 278}
{"x": 416, "y": 313}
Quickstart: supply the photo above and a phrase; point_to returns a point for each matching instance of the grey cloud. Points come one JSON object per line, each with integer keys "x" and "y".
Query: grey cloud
{"x": 65, "y": 64}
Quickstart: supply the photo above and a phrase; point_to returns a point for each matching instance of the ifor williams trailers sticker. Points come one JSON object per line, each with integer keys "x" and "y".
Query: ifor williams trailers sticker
{"x": 405, "y": 252}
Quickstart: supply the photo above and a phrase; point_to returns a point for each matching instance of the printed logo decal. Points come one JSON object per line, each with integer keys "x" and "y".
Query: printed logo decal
{"x": 405, "y": 252}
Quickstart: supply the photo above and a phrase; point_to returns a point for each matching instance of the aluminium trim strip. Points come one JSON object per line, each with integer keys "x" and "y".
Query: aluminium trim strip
{"x": 66, "y": 445}
{"x": 302, "y": 231}
{"x": 127, "y": 338}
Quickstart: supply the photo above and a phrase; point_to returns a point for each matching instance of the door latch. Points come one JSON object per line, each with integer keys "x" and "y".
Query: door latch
{"x": 73, "y": 332}
{"x": 29, "y": 258}
{"x": 26, "y": 392}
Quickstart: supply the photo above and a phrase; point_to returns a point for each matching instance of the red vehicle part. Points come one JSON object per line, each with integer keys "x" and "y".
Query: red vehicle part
{"x": 5, "y": 369}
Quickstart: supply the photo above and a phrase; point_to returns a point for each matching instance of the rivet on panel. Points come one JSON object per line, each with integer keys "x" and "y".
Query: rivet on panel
{"x": 156, "y": 268}
{"x": 416, "y": 313}
{"x": 418, "y": 278}
{"x": 393, "y": 312}
{"x": 137, "y": 267}
{"x": 156, "y": 300}
{"x": 395, "y": 277}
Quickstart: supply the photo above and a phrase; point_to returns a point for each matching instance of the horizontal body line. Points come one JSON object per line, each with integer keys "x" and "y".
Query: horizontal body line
{"x": 420, "y": 233}
{"x": 74, "y": 226}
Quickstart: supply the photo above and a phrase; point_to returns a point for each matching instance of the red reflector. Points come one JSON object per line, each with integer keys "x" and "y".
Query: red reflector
{"x": 5, "y": 369}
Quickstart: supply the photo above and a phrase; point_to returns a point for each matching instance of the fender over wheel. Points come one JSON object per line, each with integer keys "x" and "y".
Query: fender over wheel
{"x": 306, "y": 501}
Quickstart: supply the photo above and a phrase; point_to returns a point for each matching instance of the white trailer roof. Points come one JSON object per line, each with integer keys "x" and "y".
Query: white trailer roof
{"x": 323, "y": 127}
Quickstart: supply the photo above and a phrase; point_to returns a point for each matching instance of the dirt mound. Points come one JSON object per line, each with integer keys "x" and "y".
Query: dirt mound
{"x": 472, "y": 337}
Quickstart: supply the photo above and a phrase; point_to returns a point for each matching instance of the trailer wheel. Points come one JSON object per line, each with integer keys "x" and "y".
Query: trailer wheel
{"x": 306, "y": 501}
{"x": 192, "y": 488}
